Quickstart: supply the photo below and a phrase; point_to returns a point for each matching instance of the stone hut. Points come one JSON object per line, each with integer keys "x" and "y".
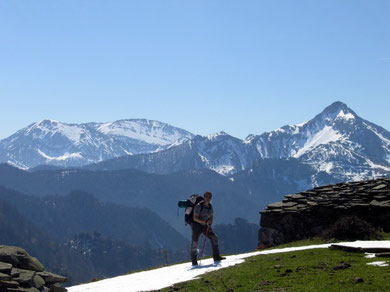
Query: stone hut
{"x": 308, "y": 213}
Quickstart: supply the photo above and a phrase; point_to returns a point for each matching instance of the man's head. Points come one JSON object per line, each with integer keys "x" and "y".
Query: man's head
{"x": 207, "y": 196}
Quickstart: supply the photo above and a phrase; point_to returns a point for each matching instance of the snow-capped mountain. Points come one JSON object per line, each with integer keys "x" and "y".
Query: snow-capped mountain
{"x": 223, "y": 153}
{"x": 219, "y": 152}
{"x": 55, "y": 143}
{"x": 336, "y": 141}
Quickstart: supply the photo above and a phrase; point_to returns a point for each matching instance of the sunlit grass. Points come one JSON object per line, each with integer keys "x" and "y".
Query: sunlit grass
{"x": 309, "y": 270}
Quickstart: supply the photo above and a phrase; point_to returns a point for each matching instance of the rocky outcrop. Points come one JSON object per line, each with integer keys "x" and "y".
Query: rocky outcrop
{"x": 308, "y": 213}
{"x": 21, "y": 272}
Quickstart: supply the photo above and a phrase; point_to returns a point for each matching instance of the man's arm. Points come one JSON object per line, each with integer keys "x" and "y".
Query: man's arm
{"x": 210, "y": 221}
{"x": 196, "y": 219}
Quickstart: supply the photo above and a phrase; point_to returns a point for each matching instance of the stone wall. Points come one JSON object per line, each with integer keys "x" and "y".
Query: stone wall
{"x": 21, "y": 272}
{"x": 308, "y": 213}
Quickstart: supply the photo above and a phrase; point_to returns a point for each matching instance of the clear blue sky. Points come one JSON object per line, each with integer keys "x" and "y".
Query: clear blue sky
{"x": 243, "y": 67}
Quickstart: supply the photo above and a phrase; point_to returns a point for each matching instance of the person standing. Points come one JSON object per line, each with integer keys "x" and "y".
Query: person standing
{"x": 203, "y": 219}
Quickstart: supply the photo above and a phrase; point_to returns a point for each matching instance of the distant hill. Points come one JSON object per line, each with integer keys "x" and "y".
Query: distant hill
{"x": 82, "y": 238}
{"x": 242, "y": 195}
{"x": 64, "y": 216}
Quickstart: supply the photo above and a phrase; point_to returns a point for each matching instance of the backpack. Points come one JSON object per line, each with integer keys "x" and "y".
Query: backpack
{"x": 189, "y": 204}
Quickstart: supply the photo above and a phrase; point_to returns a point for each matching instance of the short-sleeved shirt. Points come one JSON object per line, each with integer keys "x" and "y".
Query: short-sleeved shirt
{"x": 203, "y": 211}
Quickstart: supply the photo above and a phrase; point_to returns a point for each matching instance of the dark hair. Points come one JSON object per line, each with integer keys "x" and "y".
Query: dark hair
{"x": 208, "y": 193}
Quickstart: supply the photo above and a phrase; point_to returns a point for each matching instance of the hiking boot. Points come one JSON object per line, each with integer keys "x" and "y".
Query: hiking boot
{"x": 194, "y": 262}
{"x": 219, "y": 258}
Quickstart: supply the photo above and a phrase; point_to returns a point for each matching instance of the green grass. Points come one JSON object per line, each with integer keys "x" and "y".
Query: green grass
{"x": 310, "y": 270}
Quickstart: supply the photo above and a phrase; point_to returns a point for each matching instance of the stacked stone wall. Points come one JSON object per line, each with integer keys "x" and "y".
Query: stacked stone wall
{"x": 23, "y": 273}
{"x": 309, "y": 213}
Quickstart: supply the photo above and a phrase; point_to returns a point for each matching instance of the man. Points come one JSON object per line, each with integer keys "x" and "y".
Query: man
{"x": 203, "y": 219}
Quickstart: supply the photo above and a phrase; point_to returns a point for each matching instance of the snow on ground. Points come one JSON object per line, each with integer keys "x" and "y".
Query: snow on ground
{"x": 167, "y": 276}
{"x": 379, "y": 264}
{"x": 366, "y": 244}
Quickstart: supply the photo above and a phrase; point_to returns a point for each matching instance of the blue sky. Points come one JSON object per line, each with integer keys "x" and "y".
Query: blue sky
{"x": 243, "y": 67}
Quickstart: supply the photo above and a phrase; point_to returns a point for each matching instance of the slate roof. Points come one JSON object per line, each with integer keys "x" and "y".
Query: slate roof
{"x": 338, "y": 196}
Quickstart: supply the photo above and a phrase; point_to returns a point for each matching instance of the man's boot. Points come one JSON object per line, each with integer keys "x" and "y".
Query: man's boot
{"x": 216, "y": 255}
{"x": 194, "y": 262}
{"x": 218, "y": 258}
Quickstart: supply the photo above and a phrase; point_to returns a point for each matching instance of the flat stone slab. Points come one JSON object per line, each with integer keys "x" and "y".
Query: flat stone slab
{"x": 5, "y": 277}
{"x": 5, "y": 268}
{"x": 51, "y": 278}
{"x": 276, "y": 205}
{"x": 9, "y": 283}
{"x": 380, "y": 187}
{"x": 19, "y": 258}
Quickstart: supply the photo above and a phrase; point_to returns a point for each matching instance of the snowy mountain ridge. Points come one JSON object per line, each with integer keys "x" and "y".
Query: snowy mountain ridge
{"x": 52, "y": 142}
{"x": 336, "y": 141}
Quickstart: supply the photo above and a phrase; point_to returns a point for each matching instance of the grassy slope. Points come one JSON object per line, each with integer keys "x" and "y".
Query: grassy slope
{"x": 310, "y": 270}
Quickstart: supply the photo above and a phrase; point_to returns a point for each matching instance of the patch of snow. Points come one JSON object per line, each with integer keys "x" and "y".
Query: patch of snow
{"x": 216, "y": 135}
{"x": 301, "y": 124}
{"x": 366, "y": 244}
{"x": 127, "y": 152}
{"x": 52, "y": 127}
{"x": 152, "y": 132}
{"x": 203, "y": 158}
{"x": 373, "y": 165}
{"x": 325, "y": 136}
{"x": 224, "y": 169}
{"x": 297, "y": 128}
{"x": 177, "y": 143}
{"x": 344, "y": 116}
{"x": 262, "y": 150}
{"x": 18, "y": 164}
{"x": 326, "y": 166}
{"x": 66, "y": 156}
{"x": 379, "y": 264}
{"x": 357, "y": 175}
{"x": 167, "y": 276}
{"x": 369, "y": 255}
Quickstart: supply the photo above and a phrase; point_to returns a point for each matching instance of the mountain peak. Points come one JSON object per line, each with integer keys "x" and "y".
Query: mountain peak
{"x": 47, "y": 122}
{"x": 338, "y": 111}
{"x": 337, "y": 106}
{"x": 216, "y": 135}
